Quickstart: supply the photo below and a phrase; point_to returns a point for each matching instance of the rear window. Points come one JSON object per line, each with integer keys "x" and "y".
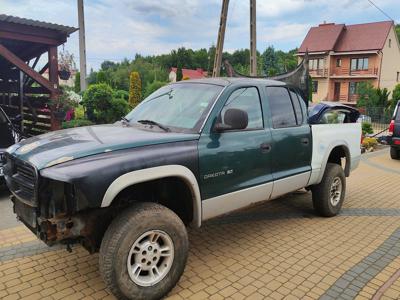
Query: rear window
{"x": 281, "y": 107}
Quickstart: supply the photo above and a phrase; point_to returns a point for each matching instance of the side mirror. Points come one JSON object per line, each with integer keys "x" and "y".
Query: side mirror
{"x": 234, "y": 119}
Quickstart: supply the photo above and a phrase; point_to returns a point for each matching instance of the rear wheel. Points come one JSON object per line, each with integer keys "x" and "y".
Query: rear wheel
{"x": 394, "y": 153}
{"x": 328, "y": 195}
{"x": 144, "y": 252}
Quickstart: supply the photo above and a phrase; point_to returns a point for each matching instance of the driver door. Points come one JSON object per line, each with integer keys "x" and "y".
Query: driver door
{"x": 235, "y": 164}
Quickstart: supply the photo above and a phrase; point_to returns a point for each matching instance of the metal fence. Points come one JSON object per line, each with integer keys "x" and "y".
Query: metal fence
{"x": 379, "y": 117}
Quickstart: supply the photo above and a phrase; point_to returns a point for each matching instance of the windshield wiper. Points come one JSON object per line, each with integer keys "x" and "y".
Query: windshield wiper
{"x": 125, "y": 121}
{"x": 151, "y": 122}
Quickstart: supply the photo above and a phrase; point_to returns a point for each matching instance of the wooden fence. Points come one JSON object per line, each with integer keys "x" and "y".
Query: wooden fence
{"x": 36, "y": 115}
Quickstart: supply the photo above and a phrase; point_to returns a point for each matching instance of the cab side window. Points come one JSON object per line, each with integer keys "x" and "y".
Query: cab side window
{"x": 281, "y": 106}
{"x": 297, "y": 107}
{"x": 248, "y": 100}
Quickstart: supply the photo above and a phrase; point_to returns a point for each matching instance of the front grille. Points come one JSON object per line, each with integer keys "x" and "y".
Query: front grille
{"x": 21, "y": 179}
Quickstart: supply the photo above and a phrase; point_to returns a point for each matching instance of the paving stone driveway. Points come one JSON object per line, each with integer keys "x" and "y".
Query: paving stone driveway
{"x": 277, "y": 250}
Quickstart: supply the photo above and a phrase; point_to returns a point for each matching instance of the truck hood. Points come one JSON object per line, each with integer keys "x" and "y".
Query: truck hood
{"x": 60, "y": 146}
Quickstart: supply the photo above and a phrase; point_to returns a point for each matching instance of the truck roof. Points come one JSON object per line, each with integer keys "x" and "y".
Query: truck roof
{"x": 225, "y": 81}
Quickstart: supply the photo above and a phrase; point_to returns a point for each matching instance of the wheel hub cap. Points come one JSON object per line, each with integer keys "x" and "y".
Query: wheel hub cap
{"x": 336, "y": 191}
{"x": 150, "y": 258}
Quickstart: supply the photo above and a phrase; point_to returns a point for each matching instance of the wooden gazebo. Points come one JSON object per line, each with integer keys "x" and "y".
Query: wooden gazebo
{"x": 24, "y": 44}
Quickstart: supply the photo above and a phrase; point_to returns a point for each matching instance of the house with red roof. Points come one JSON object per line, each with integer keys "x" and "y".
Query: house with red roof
{"x": 187, "y": 74}
{"x": 342, "y": 56}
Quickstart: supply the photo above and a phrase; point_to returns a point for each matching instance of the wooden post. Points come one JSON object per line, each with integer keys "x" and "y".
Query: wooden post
{"x": 253, "y": 39}
{"x": 53, "y": 68}
{"x": 82, "y": 44}
{"x": 221, "y": 38}
{"x": 53, "y": 78}
{"x": 21, "y": 98}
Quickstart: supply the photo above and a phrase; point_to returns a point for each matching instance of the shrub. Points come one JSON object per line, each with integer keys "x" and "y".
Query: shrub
{"x": 152, "y": 87}
{"x": 395, "y": 97}
{"x": 369, "y": 143}
{"x": 79, "y": 112}
{"x": 121, "y": 94}
{"x": 135, "y": 89}
{"x": 119, "y": 108}
{"x": 76, "y": 123}
{"x": 98, "y": 99}
{"x": 367, "y": 128}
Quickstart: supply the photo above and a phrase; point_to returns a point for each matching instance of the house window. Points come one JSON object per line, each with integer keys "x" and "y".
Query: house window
{"x": 358, "y": 64}
{"x": 353, "y": 88}
{"x": 390, "y": 43}
{"x": 339, "y": 62}
{"x": 315, "y": 86}
{"x": 398, "y": 75}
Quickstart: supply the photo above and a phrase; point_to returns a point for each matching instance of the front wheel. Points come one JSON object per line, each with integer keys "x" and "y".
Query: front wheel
{"x": 143, "y": 252}
{"x": 394, "y": 153}
{"x": 328, "y": 195}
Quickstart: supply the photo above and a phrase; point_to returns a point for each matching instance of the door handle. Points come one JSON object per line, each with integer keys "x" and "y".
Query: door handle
{"x": 265, "y": 147}
{"x": 305, "y": 141}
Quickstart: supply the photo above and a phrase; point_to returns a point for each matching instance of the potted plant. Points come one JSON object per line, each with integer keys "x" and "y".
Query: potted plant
{"x": 66, "y": 64}
{"x": 65, "y": 102}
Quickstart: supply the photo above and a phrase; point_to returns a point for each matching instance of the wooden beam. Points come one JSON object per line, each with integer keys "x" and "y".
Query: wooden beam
{"x": 29, "y": 38}
{"x": 53, "y": 66}
{"x": 20, "y": 64}
{"x": 33, "y": 67}
{"x": 32, "y": 30}
{"x": 42, "y": 70}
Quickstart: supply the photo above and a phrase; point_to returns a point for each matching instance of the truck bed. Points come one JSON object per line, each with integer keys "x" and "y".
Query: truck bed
{"x": 325, "y": 138}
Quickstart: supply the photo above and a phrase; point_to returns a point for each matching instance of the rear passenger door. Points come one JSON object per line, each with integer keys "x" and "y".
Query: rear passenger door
{"x": 291, "y": 136}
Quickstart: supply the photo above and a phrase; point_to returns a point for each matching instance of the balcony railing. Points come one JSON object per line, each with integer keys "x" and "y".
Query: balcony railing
{"x": 319, "y": 72}
{"x": 347, "y": 72}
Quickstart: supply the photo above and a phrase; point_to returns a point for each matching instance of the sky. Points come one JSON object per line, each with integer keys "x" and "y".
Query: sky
{"x": 118, "y": 29}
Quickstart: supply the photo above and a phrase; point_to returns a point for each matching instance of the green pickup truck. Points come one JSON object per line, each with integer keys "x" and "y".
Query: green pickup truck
{"x": 191, "y": 151}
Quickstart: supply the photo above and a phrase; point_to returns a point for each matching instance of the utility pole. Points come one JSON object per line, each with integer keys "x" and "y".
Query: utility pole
{"x": 82, "y": 44}
{"x": 221, "y": 37}
{"x": 253, "y": 39}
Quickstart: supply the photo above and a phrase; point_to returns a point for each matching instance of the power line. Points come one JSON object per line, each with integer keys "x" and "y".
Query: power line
{"x": 378, "y": 8}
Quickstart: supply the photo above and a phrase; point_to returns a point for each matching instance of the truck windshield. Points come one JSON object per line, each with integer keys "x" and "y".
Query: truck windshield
{"x": 178, "y": 107}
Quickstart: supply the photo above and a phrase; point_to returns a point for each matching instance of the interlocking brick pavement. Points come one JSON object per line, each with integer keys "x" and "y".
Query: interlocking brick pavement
{"x": 276, "y": 250}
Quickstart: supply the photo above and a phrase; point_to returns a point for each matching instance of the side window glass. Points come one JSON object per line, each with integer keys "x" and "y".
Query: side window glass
{"x": 281, "y": 107}
{"x": 297, "y": 107}
{"x": 248, "y": 100}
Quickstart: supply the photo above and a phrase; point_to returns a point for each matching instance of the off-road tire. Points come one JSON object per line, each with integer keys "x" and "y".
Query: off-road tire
{"x": 394, "y": 153}
{"x": 321, "y": 192}
{"x": 119, "y": 238}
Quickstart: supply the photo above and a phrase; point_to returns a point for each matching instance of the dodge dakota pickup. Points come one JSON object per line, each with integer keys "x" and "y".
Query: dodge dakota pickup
{"x": 191, "y": 151}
